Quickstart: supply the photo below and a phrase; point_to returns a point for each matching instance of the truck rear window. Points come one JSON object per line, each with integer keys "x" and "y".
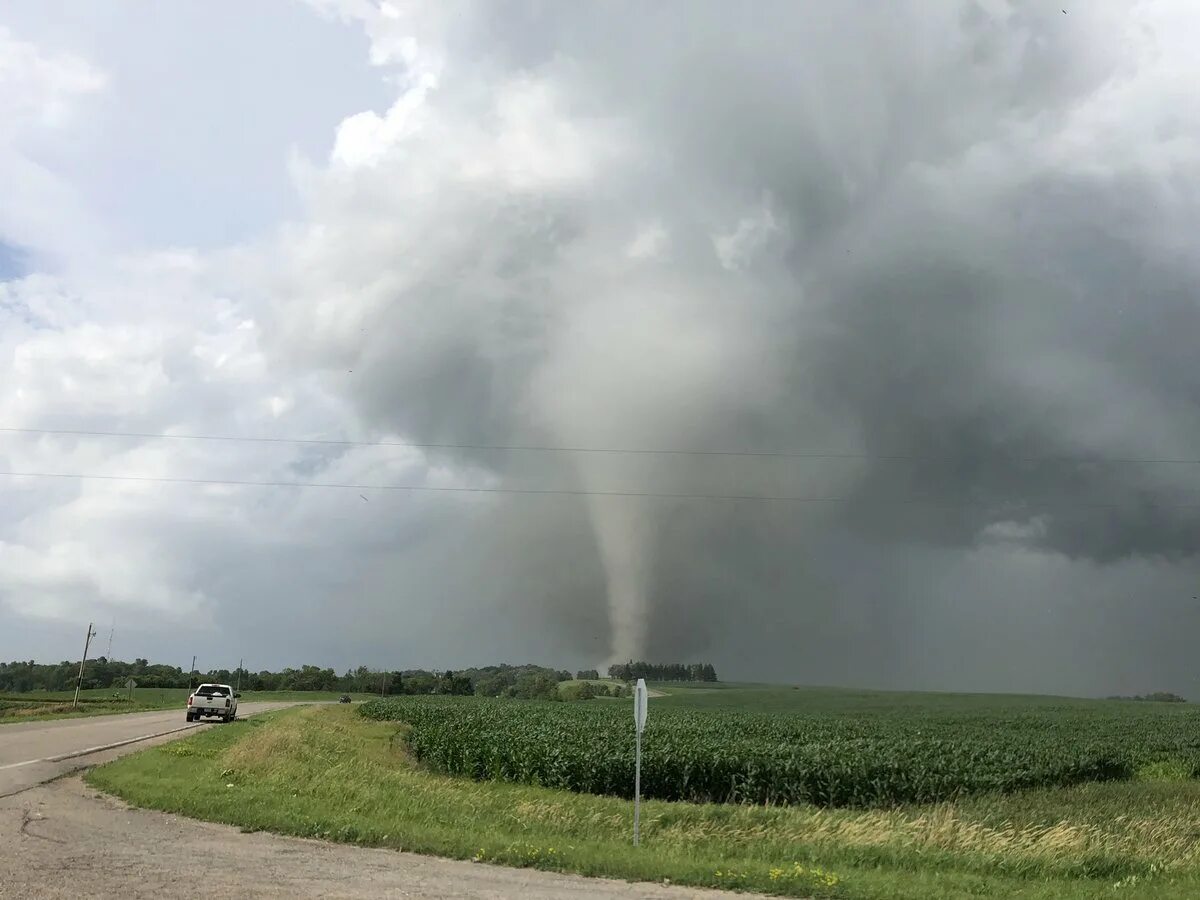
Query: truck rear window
{"x": 212, "y": 690}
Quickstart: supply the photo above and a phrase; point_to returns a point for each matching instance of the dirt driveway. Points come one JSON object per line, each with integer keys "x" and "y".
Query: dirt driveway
{"x": 64, "y": 840}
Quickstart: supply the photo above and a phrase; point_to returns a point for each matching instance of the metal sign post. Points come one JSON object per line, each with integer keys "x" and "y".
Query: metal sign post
{"x": 640, "y": 703}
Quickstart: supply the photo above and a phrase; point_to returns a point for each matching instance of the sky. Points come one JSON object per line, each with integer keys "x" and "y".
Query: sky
{"x": 831, "y": 343}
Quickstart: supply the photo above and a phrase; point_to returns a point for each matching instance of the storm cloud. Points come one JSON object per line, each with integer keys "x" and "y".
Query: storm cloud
{"x": 917, "y": 275}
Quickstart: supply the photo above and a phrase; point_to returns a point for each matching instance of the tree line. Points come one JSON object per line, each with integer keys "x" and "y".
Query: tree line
{"x": 22, "y": 676}
{"x": 1156, "y": 697}
{"x": 631, "y": 671}
{"x": 519, "y": 681}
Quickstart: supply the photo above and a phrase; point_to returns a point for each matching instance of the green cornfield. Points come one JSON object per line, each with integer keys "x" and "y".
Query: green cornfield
{"x": 823, "y": 758}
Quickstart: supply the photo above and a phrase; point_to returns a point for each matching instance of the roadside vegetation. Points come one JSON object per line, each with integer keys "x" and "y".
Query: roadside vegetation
{"x": 331, "y": 773}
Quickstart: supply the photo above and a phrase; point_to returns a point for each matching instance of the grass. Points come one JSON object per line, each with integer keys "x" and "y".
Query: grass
{"x": 45, "y": 705}
{"x": 326, "y": 772}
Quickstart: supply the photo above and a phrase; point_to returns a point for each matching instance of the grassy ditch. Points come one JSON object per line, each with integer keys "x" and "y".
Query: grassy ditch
{"x": 330, "y": 774}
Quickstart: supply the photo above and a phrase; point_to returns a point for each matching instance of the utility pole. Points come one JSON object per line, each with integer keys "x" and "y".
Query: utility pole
{"x": 239, "y": 677}
{"x": 192, "y": 674}
{"x": 91, "y": 633}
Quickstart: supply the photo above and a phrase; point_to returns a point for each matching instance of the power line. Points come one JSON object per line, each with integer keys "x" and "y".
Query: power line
{"x": 632, "y": 451}
{"x": 457, "y": 489}
{"x": 564, "y": 492}
{"x": 416, "y": 445}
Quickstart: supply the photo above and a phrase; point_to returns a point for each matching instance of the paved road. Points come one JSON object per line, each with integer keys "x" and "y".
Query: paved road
{"x": 63, "y": 841}
{"x": 34, "y": 752}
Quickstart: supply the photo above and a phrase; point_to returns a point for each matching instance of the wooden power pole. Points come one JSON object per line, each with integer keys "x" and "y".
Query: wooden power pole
{"x": 91, "y": 633}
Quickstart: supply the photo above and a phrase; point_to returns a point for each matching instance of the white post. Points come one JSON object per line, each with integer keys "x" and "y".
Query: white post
{"x": 641, "y": 700}
{"x": 637, "y": 792}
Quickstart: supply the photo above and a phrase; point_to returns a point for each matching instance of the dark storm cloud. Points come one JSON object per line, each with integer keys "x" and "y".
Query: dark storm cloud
{"x": 923, "y": 236}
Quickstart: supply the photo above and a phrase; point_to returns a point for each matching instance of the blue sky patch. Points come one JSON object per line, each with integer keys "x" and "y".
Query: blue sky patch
{"x": 13, "y": 262}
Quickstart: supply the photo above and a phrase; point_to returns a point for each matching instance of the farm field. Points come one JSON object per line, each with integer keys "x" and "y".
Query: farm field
{"x": 817, "y": 747}
{"x": 1130, "y": 833}
{"x": 748, "y": 697}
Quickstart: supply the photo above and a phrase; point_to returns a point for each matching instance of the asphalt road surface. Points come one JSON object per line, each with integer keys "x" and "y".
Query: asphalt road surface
{"x": 62, "y": 839}
{"x": 34, "y": 752}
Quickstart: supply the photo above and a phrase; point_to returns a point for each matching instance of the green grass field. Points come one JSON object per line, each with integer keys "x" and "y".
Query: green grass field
{"x": 100, "y": 702}
{"x": 330, "y": 773}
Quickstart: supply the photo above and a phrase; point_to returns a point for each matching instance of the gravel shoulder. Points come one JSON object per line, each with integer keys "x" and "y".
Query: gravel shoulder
{"x": 64, "y": 840}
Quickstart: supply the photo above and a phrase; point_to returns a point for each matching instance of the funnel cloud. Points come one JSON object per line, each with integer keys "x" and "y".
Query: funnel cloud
{"x": 855, "y": 343}
{"x": 935, "y": 239}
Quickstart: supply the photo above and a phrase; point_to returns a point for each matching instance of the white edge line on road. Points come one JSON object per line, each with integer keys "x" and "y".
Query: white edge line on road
{"x": 113, "y": 746}
{"x": 90, "y": 750}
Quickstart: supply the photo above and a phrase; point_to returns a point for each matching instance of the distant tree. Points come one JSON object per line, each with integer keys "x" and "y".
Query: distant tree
{"x": 535, "y": 687}
{"x": 419, "y": 682}
{"x": 587, "y": 674}
{"x": 458, "y": 685}
{"x": 1156, "y": 697}
{"x": 632, "y": 671}
{"x": 581, "y": 690}
{"x": 494, "y": 685}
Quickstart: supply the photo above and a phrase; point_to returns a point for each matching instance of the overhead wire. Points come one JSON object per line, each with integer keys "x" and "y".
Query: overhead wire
{"x": 571, "y": 492}
{"x": 530, "y": 491}
{"x": 648, "y": 451}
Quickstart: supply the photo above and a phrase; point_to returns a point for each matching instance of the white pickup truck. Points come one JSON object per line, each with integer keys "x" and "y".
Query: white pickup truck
{"x": 213, "y": 700}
